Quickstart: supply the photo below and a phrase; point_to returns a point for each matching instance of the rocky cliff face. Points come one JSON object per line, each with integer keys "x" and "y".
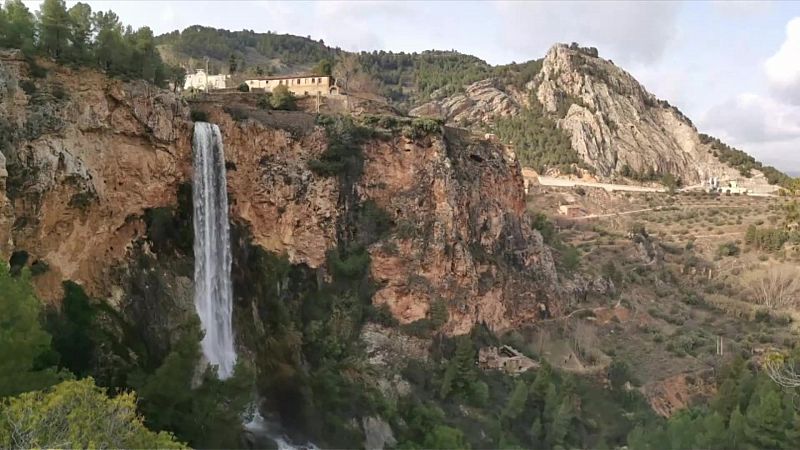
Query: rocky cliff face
{"x": 614, "y": 122}
{"x": 85, "y": 157}
{"x": 90, "y": 158}
{"x": 480, "y": 103}
{"x": 464, "y": 239}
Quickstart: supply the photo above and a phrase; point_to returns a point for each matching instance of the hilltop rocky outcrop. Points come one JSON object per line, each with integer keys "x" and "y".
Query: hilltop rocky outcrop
{"x": 615, "y": 123}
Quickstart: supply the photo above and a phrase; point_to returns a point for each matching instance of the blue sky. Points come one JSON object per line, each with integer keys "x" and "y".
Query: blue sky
{"x": 730, "y": 66}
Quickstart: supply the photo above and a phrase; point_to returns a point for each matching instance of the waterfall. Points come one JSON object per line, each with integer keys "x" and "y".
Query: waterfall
{"x": 212, "y": 249}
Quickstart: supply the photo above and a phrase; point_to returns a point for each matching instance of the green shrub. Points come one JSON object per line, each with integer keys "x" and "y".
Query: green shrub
{"x": 28, "y": 86}
{"x": 570, "y": 258}
{"x": 438, "y": 313}
{"x": 728, "y": 249}
{"x": 381, "y": 314}
{"x": 351, "y": 265}
{"x": 198, "y": 115}
{"x": 39, "y": 267}
{"x": 283, "y": 99}
{"x": 243, "y": 88}
{"x": 237, "y": 113}
{"x": 263, "y": 102}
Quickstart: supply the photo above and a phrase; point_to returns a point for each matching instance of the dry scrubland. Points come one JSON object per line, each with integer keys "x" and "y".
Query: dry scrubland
{"x": 691, "y": 288}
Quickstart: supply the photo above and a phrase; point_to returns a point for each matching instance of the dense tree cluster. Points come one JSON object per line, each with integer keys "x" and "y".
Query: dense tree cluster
{"x": 79, "y": 36}
{"x": 538, "y": 142}
{"x": 750, "y": 411}
{"x": 37, "y": 412}
{"x": 408, "y": 78}
{"x": 77, "y": 414}
{"x": 537, "y": 409}
{"x": 200, "y": 42}
{"x": 25, "y": 359}
{"x": 744, "y": 162}
{"x": 769, "y": 239}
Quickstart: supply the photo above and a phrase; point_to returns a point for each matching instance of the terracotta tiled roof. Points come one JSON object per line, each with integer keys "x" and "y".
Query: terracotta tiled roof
{"x": 288, "y": 77}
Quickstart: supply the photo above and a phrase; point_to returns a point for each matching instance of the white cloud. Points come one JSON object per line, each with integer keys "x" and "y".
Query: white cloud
{"x": 783, "y": 68}
{"x": 759, "y": 125}
{"x": 631, "y": 31}
{"x": 742, "y": 8}
{"x": 752, "y": 118}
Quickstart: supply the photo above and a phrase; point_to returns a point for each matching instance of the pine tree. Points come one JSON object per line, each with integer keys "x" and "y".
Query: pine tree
{"x": 714, "y": 436}
{"x": 766, "y": 422}
{"x": 737, "y": 428}
{"x": 54, "y": 28}
{"x": 232, "y": 64}
{"x": 537, "y": 433}
{"x": 23, "y": 342}
{"x": 683, "y": 430}
{"x": 20, "y": 31}
{"x": 80, "y": 22}
{"x": 560, "y": 427}
{"x": 516, "y": 401}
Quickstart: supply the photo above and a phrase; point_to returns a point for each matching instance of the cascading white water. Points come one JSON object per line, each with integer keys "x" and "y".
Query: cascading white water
{"x": 213, "y": 296}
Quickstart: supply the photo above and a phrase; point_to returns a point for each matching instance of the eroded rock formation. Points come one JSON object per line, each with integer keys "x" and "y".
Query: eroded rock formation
{"x": 90, "y": 157}
{"x": 480, "y": 103}
{"x": 614, "y": 122}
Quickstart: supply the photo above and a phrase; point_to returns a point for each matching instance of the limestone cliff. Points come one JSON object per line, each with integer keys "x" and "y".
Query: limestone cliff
{"x": 480, "y": 103}
{"x": 468, "y": 244}
{"x": 614, "y": 122}
{"x": 89, "y": 159}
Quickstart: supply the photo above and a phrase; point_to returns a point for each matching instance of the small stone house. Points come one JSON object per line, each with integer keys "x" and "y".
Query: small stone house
{"x": 571, "y": 210}
{"x": 505, "y": 358}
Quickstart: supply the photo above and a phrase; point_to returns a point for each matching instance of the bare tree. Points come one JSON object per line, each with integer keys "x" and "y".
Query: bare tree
{"x": 776, "y": 287}
{"x": 351, "y": 75}
{"x": 782, "y": 372}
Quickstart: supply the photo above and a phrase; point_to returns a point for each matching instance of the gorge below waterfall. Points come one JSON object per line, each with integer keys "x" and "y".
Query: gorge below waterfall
{"x": 212, "y": 253}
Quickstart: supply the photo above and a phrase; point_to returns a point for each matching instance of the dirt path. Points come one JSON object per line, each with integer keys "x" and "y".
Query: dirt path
{"x": 732, "y": 233}
{"x": 553, "y": 181}
{"x": 657, "y": 208}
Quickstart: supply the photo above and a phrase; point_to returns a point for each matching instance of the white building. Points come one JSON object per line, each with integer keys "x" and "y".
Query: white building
{"x": 202, "y": 81}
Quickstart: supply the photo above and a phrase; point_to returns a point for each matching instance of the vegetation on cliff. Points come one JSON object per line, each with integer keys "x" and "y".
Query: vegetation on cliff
{"x": 25, "y": 354}
{"x": 537, "y": 141}
{"x": 749, "y": 411}
{"x": 743, "y": 162}
{"x": 77, "y": 414}
{"x": 199, "y": 42}
{"x": 77, "y": 36}
{"x": 92, "y": 339}
{"x": 69, "y": 414}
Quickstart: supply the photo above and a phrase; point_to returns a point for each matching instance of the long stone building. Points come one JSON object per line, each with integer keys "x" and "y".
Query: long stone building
{"x": 297, "y": 84}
